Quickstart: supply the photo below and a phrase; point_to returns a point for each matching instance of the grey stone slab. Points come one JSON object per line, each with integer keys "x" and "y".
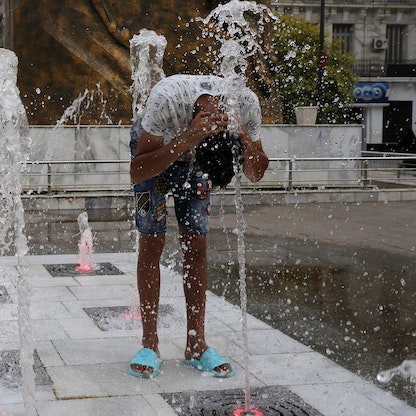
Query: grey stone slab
{"x": 47, "y": 329}
{"x": 48, "y": 354}
{"x": 56, "y": 293}
{"x": 82, "y": 328}
{"x": 87, "y": 280}
{"x": 269, "y": 341}
{"x": 8, "y": 311}
{"x": 107, "y": 406}
{"x": 48, "y": 310}
{"x": 300, "y": 368}
{"x": 99, "y": 380}
{"x": 9, "y": 335}
{"x": 177, "y": 376}
{"x": 96, "y": 351}
{"x": 124, "y": 291}
{"x": 336, "y": 399}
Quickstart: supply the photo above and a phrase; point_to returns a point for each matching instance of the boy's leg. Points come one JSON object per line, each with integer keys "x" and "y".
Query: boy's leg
{"x": 151, "y": 223}
{"x": 148, "y": 283}
{"x": 195, "y": 287}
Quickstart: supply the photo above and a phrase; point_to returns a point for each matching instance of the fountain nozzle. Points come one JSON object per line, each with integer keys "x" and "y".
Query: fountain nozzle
{"x": 251, "y": 412}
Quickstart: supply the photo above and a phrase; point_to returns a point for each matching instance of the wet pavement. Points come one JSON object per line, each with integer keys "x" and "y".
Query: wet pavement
{"x": 338, "y": 279}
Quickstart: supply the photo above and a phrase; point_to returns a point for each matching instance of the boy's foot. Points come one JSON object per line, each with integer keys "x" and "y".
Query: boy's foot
{"x": 145, "y": 364}
{"x": 211, "y": 361}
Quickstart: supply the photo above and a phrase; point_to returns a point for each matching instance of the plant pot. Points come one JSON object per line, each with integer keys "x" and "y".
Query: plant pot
{"x": 306, "y": 115}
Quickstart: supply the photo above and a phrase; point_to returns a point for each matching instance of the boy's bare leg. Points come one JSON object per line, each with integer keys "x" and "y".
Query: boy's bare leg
{"x": 195, "y": 287}
{"x": 148, "y": 283}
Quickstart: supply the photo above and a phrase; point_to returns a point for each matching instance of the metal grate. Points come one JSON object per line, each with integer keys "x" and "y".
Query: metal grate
{"x": 271, "y": 401}
{"x": 11, "y": 373}
{"x": 4, "y": 296}
{"x": 110, "y": 318}
{"x": 69, "y": 270}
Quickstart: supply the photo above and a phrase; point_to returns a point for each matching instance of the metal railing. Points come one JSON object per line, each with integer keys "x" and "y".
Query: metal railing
{"x": 383, "y": 67}
{"x": 373, "y": 169}
{"x": 279, "y": 3}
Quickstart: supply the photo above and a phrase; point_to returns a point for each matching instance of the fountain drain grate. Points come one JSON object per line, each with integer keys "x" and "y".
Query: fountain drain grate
{"x": 4, "y": 295}
{"x": 69, "y": 270}
{"x": 110, "y": 318}
{"x": 271, "y": 401}
{"x": 11, "y": 373}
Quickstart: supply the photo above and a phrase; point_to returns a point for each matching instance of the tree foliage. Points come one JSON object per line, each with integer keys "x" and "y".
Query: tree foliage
{"x": 296, "y": 44}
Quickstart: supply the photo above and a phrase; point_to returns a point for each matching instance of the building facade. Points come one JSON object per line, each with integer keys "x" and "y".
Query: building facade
{"x": 381, "y": 35}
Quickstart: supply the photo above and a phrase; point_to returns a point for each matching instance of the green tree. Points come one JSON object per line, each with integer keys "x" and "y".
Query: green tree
{"x": 296, "y": 45}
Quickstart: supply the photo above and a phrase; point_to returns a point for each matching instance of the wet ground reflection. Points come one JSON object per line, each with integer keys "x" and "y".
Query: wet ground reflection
{"x": 356, "y": 305}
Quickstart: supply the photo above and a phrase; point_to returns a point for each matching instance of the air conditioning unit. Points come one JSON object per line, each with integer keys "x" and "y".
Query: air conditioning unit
{"x": 380, "y": 43}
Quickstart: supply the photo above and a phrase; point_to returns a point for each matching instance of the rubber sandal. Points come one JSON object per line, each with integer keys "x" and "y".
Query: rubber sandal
{"x": 210, "y": 360}
{"x": 147, "y": 358}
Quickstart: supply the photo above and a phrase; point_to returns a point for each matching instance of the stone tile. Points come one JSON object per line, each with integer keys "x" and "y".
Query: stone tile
{"x": 108, "y": 406}
{"x": 47, "y": 329}
{"x": 48, "y": 310}
{"x": 269, "y": 341}
{"x": 103, "y": 292}
{"x": 99, "y": 380}
{"x": 345, "y": 399}
{"x": 83, "y": 328}
{"x": 293, "y": 369}
{"x": 159, "y": 405}
{"x": 8, "y": 311}
{"x": 42, "y": 282}
{"x": 233, "y": 319}
{"x": 10, "y": 409}
{"x": 9, "y": 335}
{"x": 177, "y": 376}
{"x": 56, "y": 293}
{"x": 48, "y": 354}
{"x": 86, "y": 280}
{"x": 96, "y": 351}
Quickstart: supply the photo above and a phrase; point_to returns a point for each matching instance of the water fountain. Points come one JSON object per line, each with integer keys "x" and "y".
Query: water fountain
{"x": 85, "y": 246}
{"x": 406, "y": 370}
{"x": 239, "y": 43}
{"x": 146, "y": 58}
{"x": 14, "y": 145}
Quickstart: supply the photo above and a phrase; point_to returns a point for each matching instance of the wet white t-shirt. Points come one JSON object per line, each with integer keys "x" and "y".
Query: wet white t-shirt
{"x": 169, "y": 108}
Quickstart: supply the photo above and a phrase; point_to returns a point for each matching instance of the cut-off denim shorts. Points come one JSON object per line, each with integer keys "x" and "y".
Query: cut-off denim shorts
{"x": 191, "y": 191}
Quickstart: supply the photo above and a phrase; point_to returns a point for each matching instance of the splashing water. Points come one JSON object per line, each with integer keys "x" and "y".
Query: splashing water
{"x": 133, "y": 312}
{"x": 239, "y": 42}
{"x": 85, "y": 246}
{"x": 406, "y": 370}
{"x": 146, "y": 58}
{"x": 14, "y": 147}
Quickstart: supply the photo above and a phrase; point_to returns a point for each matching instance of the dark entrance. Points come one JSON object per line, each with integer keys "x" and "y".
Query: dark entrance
{"x": 397, "y": 121}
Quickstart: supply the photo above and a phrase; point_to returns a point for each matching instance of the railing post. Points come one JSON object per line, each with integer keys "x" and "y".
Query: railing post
{"x": 290, "y": 177}
{"x": 364, "y": 172}
{"x": 49, "y": 178}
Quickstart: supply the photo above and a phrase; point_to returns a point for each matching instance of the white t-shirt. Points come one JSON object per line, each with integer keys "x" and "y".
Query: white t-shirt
{"x": 169, "y": 108}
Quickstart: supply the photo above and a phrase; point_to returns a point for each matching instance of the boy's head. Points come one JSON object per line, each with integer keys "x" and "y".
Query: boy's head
{"x": 217, "y": 155}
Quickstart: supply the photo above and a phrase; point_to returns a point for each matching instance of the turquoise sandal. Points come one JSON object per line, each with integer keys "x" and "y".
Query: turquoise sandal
{"x": 210, "y": 360}
{"x": 147, "y": 358}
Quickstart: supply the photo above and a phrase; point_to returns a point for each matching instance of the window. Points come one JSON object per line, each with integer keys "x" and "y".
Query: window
{"x": 396, "y": 36}
{"x": 344, "y": 34}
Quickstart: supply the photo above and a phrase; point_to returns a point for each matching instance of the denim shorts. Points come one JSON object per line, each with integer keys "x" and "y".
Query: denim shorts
{"x": 191, "y": 191}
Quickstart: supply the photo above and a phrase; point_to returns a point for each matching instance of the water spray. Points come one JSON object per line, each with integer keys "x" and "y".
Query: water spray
{"x": 85, "y": 246}
{"x": 240, "y": 42}
{"x": 14, "y": 147}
